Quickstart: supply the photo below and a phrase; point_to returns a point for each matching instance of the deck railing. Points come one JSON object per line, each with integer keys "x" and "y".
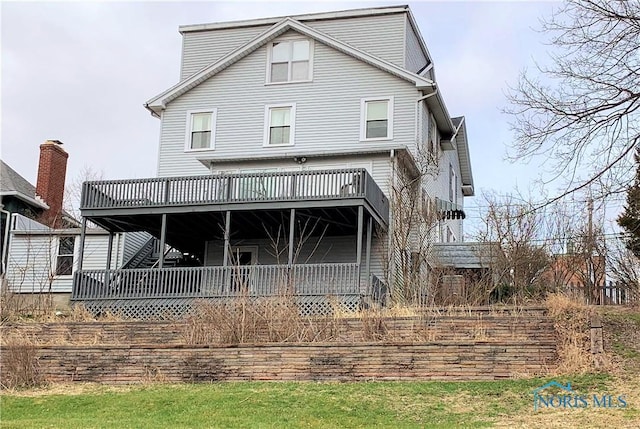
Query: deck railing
{"x": 231, "y": 188}
{"x": 205, "y": 282}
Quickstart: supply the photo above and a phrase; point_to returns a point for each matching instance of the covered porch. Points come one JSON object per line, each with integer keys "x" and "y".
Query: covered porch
{"x": 307, "y": 235}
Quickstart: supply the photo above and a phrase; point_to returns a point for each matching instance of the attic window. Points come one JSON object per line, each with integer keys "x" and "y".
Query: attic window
{"x": 289, "y": 61}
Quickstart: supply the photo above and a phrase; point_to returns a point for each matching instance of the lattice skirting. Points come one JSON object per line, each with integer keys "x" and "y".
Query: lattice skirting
{"x": 173, "y": 308}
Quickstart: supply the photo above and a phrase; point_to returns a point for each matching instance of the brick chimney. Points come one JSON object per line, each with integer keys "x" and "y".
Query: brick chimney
{"x": 52, "y": 170}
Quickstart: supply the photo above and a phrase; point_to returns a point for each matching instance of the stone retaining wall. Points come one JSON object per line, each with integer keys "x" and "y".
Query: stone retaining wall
{"x": 463, "y": 345}
{"x": 336, "y": 362}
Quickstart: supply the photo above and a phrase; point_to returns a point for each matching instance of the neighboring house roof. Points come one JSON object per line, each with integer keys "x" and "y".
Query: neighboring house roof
{"x": 13, "y": 184}
{"x": 465, "y": 255}
{"x": 436, "y": 103}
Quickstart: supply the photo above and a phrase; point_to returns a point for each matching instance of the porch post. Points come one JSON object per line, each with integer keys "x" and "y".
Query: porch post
{"x": 107, "y": 276}
{"x": 83, "y": 233}
{"x": 368, "y": 260}
{"x": 163, "y": 239}
{"x": 227, "y": 228}
{"x": 359, "y": 242}
{"x": 292, "y": 226}
{"x": 109, "y": 250}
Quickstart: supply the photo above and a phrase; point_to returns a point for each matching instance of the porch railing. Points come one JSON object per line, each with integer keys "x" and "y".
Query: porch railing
{"x": 230, "y": 188}
{"x": 205, "y": 282}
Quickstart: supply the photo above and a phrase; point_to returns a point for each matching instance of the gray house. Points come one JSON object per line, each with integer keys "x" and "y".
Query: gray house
{"x": 309, "y": 155}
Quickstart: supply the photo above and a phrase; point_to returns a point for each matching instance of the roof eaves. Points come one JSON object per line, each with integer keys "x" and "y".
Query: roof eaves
{"x": 27, "y": 199}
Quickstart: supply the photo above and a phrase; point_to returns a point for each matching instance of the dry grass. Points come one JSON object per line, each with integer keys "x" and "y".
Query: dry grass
{"x": 20, "y": 368}
{"x": 572, "y": 318}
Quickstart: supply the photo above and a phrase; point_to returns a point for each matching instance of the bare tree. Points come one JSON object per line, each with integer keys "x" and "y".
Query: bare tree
{"x": 581, "y": 111}
{"x": 549, "y": 249}
{"x": 73, "y": 190}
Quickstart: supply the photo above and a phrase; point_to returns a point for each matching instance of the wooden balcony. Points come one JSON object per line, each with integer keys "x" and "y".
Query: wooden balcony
{"x": 326, "y": 188}
{"x": 219, "y": 282}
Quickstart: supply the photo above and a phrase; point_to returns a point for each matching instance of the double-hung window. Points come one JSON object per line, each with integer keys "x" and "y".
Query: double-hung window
{"x": 64, "y": 260}
{"x": 377, "y": 119}
{"x": 201, "y": 126}
{"x": 289, "y": 61}
{"x": 279, "y": 125}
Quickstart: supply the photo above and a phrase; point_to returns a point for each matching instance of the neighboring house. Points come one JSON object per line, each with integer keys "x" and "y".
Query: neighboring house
{"x": 17, "y": 195}
{"x": 575, "y": 272}
{"x": 465, "y": 272}
{"x": 41, "y": 242}
{"x": 325, "y": 131}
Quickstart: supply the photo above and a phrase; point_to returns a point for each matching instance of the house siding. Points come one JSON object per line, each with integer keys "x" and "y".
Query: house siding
{"x": 316, "y": 250}
{"x": 32, "y": 261}
{"x": 378, "y": 166}
{"x": 132, "y": 242}
{"x": 327, "y": 110}
{"x": 376, "y": 35}
{"x": 415, "y": 59}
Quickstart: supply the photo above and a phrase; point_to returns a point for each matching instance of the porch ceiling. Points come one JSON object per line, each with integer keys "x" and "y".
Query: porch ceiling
{"x": 188, "y": 231}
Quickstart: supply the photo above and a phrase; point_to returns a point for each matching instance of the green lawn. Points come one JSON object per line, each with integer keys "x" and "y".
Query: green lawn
{"x": 295, "y": 405}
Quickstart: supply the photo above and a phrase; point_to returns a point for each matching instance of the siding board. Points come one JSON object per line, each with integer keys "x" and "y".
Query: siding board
{"x": 327, "y": 110}
{"x": 381, "y": 36}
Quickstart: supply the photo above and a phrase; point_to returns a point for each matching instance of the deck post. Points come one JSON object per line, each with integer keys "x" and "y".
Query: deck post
{"x": 83, "y": 233}
{"x": 107, "y": 277}
{"x": 227, "y": 229}
{"x": 292, "y": 226}
{"x": 359, "y": 241}
{"x": 368, "y": 260}
{"x": 163, "y": 239}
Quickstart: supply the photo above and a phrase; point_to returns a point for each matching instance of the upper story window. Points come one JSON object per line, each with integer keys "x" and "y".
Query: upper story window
{"x": 279, "y": 124}
{"x": 64, "y": 260}
{"x": 201, "y": 130}
{"x": 377, "y": 119}
{"x": 290, "y": 61}
{"x": 453, "y": 185}
{"x": 432, "y": 137}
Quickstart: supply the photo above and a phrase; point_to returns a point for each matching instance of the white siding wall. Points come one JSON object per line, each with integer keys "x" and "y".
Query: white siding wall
{"x": 415, "y": 58}
{"x": 381, "y": 36}
{"x": 32, "y": 261}
{"x": 132, "y": 242}
{"x": 378, "y": 166}
{"x": 327, "y": 110}
{"x": 33, "y": 251}
{"x": 199, "y": 49}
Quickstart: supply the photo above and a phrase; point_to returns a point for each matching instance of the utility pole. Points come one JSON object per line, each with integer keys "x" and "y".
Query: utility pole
{"x": 589, "y": 256}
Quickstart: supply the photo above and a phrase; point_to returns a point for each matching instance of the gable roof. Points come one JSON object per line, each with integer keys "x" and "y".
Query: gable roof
{"x": 159, "y": 102}
{"x": 13, "y": 184}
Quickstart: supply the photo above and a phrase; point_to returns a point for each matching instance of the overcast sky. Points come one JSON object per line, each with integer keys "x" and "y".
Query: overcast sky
{"x": 80, "y": 72}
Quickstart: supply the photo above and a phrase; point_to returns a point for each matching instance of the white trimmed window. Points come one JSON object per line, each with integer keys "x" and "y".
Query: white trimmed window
{"x": 377, "y": 119}
{"x": 201, "y": 130}
{"x": 279, "y": 122}
{"x": 290, "y": 61}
